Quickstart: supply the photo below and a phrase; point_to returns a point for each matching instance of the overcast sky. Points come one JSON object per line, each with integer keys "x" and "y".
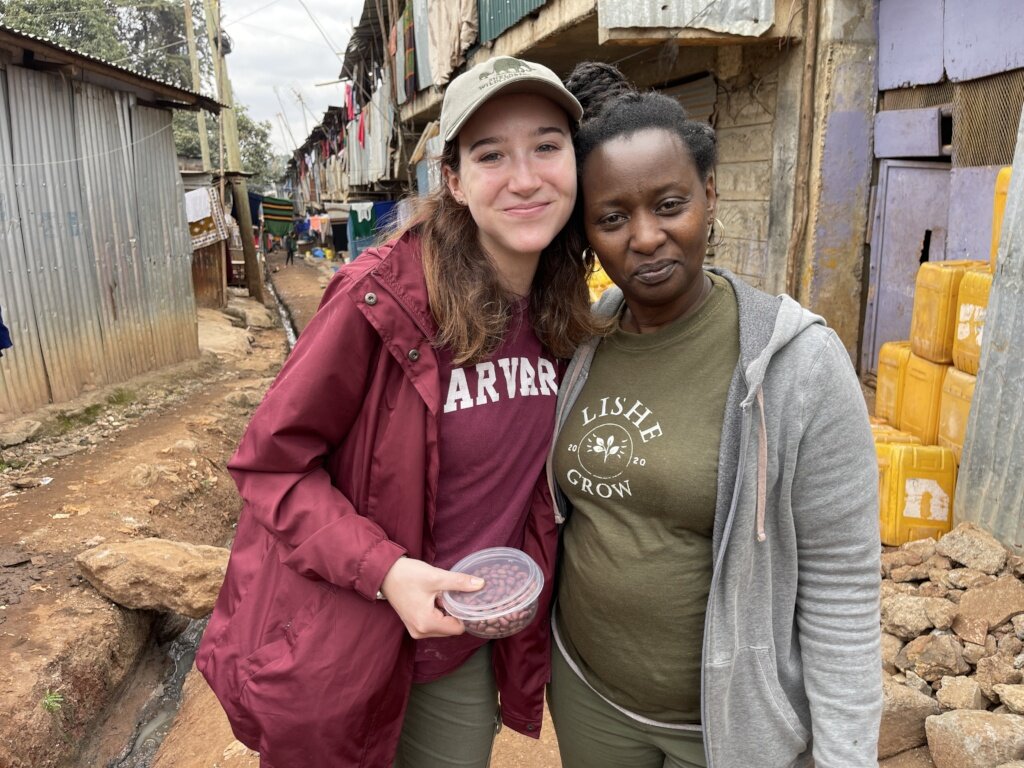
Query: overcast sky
{"x": 277, "y": 46}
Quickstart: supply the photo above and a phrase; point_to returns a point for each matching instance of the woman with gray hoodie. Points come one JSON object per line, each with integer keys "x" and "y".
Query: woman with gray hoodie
{"x": 718, "y": 599}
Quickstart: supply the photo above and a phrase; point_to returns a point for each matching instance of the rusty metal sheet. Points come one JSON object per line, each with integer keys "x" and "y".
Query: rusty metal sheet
{"x": 735, "y": 17}
{"x": 96, "y": 261}
{"x": 166, "y": 249}
{"x": 60, "y": 269}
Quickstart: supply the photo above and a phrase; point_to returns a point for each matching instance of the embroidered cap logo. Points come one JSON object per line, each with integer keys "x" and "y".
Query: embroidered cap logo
{"x": 503, "y": 69}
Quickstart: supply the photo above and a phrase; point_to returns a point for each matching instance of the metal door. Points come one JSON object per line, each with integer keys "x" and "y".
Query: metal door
{"x": 909, "y": 228}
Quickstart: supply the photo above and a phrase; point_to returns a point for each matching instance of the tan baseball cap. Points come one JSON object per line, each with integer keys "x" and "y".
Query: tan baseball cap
{"x": 502, "y": 74}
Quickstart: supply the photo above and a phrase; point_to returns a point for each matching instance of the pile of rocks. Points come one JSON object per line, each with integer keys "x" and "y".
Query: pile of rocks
{"x": 953, "y": 654}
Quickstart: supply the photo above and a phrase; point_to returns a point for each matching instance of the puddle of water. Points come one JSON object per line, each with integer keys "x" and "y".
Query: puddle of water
{"x": 158, "y": 714}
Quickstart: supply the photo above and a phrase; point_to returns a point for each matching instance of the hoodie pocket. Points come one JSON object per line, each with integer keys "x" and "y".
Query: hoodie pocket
{"x": 749, "y": 719}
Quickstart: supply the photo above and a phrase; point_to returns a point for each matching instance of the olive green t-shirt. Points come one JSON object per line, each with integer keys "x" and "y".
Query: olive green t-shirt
{"x": 638, "y": 460}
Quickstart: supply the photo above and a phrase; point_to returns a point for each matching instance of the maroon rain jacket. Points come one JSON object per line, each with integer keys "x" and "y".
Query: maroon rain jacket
{"x": 338, "y": 471}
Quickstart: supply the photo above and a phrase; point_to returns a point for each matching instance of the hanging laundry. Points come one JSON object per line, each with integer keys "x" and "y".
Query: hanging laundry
{"x": 424, "y": 78}
{"x": 277, "y": 216}
{"x": 197, "y": 204}
{"x": 399, "y": 60}
{"x": 410, "y": 51}
{"x": 210, "y": 229}
{"x": 453, "y": 29}
{"x": 383, "y": 215}
{"x": 255, "y": 201}
{"x": 361, "y": 224}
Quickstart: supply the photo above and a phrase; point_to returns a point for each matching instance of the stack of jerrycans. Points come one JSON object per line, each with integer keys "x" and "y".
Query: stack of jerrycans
{"x": 924, "y": 391}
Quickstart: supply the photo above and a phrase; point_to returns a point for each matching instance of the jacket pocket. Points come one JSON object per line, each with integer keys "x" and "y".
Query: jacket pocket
{"x": 749, "y": 719}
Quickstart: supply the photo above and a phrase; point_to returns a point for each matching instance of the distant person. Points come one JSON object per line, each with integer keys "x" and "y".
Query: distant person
{"x": 408, "y": 429}
{"x": 289, "y": 245}
{"x": 719, "y": 587}
{"x": 5, "y": 335}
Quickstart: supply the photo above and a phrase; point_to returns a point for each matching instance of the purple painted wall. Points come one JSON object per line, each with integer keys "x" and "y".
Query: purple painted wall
{"x": 971, "y": 193}
{"x": 908, "y": 133}
{"x": 909, "y": 43}
{"x": 833, "y": 285}
{"x": 982, "y": 37}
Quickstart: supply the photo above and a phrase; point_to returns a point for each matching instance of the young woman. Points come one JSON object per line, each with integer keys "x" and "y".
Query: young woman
{"x": 718, "y": 600}
{"x": 409, "y": 428}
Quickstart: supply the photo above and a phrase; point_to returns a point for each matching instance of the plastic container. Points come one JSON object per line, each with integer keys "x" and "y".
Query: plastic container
{"x": 507, "y": 603}
{"x": 933, "y": 323}
{"x": 999, "y": 209}
{"x": 954, "y": 408}
{"x": 922, "y": 391}
{"x": 916, "y": 484}
{"x": 892, "y": 369}
{"x": 972, "y": 306}
{"x": 883, "y": 433}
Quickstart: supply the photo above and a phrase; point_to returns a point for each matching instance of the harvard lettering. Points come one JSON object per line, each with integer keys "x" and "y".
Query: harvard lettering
{"x": 519, "y": 378}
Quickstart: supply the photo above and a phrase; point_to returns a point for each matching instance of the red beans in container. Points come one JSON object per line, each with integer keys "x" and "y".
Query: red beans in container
{"x": 508, "y": 600}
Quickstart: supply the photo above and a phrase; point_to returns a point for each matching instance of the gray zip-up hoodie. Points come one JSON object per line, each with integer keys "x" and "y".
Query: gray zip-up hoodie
{"x": 791, "y": 659}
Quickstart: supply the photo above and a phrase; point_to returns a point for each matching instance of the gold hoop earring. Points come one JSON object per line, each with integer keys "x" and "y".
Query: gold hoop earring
{"x": 716, "y": 235}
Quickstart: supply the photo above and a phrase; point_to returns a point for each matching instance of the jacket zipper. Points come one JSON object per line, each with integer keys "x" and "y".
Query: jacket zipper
{"x": 716, "y": 572}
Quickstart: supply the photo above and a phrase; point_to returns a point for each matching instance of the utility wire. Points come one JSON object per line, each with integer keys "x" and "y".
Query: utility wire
{"x": 136, "y": 54}
{"x": 253, "y": 12}
{"x": 316, "y": 23}
{"x": 109, "y": 152}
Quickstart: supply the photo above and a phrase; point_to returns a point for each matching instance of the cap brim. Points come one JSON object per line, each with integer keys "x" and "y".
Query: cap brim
{"x": 536, "y": 85}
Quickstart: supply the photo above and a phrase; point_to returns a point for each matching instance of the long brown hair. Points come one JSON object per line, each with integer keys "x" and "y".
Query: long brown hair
{"x": 469, "y": 304}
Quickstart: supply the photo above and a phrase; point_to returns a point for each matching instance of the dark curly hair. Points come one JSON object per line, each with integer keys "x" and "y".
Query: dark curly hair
{"x": 613, "y": 107}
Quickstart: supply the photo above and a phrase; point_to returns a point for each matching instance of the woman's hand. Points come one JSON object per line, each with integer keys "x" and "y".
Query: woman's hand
{"x": 412, "y": 587}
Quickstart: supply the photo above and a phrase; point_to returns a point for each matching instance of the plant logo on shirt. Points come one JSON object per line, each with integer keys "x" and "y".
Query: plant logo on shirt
{"x": 613, "y": 447}
{"x": 606, "y": 451}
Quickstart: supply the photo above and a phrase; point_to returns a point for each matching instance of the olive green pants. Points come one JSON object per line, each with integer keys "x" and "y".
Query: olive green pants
{"x": 593, "y": 734}
{"x": 452, "y": 722}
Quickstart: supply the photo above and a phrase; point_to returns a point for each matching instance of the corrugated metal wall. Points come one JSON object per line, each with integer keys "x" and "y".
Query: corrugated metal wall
{"x": 498, "y": 15}
{"x": 97, "y": 247}
{"x": 24, "y": 363}
{"x": 990, "y": 490}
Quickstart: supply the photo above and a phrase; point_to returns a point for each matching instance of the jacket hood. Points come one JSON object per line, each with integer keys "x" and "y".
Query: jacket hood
{"x": 398, "y": 267}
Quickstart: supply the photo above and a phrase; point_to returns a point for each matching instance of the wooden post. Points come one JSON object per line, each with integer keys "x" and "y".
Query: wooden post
{"x": 197, "y": 85}
{"x": 229, "y": 126}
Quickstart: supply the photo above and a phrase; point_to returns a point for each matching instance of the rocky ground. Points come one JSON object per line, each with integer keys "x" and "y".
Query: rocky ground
{"x": 953, "y": 654}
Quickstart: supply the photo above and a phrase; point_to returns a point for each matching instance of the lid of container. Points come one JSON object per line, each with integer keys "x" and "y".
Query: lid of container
{"x": 463, "y": 605}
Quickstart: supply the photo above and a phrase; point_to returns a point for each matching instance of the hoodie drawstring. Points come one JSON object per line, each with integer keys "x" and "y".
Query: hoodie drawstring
{"x": 762, "y": 468}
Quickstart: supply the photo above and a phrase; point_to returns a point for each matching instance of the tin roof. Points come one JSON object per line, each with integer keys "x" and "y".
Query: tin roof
{"x": 39, "y": 53}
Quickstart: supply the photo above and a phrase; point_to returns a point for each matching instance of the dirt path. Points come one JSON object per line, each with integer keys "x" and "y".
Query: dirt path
{"x": 143, "y": 459}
